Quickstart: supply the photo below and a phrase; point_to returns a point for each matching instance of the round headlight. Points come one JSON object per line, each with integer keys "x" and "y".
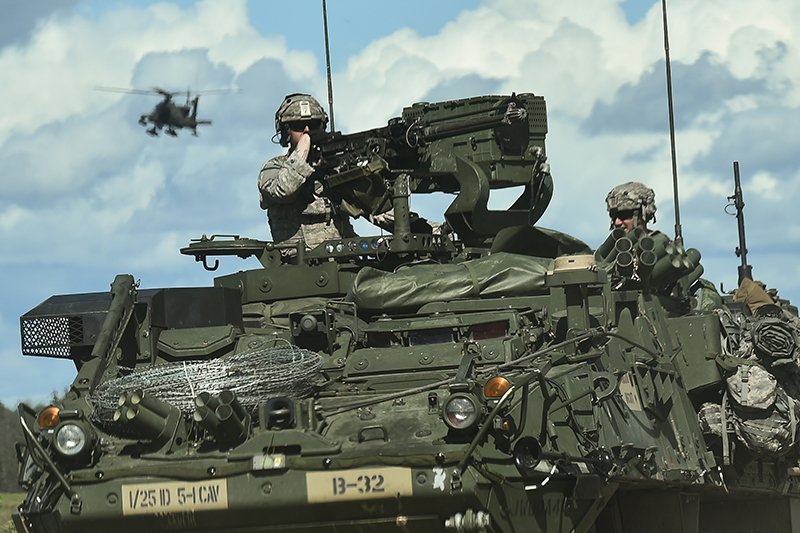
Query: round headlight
{"x": 70, "y": 439}
{"x": 460, "y": 411}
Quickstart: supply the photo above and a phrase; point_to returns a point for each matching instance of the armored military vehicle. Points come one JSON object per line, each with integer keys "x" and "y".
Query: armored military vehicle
{"x": 489, "y": 376}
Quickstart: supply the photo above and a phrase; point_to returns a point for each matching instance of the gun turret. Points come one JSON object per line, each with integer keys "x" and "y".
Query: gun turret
{"x": 745, "y": 270}
{"x": 465, "y": 147}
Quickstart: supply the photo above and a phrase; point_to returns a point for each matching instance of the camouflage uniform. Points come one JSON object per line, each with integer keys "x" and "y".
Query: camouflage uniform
{"x": 290, "y": 192}
{"x": 295, "y": 206}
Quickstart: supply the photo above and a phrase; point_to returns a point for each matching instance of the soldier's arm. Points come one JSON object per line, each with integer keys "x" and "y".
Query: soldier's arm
{"x": 281, "y": 178}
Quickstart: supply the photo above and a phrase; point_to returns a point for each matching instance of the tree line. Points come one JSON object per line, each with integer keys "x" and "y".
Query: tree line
{"x": 10, "y": 433}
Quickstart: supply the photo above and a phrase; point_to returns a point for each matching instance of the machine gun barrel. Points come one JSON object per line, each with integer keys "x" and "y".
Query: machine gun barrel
{"x": 745, "y": 270}
{"x": 450, "y": 129}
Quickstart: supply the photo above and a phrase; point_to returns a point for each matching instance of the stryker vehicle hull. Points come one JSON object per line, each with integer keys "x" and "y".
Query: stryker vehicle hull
{"x": 506, "y": 380}
{"x": 278, "y": 503}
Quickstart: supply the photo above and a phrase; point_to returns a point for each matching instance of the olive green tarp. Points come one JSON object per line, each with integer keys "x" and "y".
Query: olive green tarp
{"x": 411, "y": 286}
{"x": 520, "y": 257}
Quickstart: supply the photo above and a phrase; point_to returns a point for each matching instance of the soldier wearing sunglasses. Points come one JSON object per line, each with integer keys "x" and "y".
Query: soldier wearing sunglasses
{"x": 290, "y": 191}
{"x": 631, "y": 205}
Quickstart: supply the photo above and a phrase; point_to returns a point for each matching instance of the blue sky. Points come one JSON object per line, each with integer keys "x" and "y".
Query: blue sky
{"x": 87, "y": 195}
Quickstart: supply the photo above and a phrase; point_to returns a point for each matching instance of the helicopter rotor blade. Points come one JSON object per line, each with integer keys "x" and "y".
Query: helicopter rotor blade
{"x": 216, "y": 91}
{"x": 163, "y": 92}
{"x": 122, "y": 90}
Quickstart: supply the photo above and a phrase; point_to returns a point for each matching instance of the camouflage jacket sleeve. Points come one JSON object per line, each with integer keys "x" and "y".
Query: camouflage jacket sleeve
{"x": 281, "y": 179}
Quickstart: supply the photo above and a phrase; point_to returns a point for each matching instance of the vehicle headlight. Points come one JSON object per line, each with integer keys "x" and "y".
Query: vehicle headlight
{"x": 70, "y": 439}
{"x": 460, "y": 411}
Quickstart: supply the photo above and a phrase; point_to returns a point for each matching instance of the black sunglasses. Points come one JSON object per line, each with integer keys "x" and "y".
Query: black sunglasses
{"x": 300, "y": 125}
{"x": 623, "y": 214}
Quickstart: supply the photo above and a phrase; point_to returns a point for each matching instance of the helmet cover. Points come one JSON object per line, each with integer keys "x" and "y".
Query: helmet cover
{"x": 297, "y": 106}
{"x": 635, "y": 196}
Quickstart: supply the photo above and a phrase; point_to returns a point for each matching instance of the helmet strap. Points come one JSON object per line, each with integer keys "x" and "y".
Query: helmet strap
{"x": 638, "y": 218}
{"x": 283, "y": 135}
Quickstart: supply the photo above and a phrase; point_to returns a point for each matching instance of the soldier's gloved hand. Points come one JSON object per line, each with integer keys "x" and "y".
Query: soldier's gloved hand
{"x": 441, "y": 229}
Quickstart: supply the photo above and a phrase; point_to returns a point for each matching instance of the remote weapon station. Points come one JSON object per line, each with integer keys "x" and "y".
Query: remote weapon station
{"x": 498, "y": 377}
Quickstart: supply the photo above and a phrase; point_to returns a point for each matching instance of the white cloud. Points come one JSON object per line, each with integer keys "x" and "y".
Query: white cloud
{"x": 55, "y": 74}
{"x": 99, "y": 215}
{"x": 13, "y": 216}
{"x": 765, "y": 185}
{"x": 86, "y": 194}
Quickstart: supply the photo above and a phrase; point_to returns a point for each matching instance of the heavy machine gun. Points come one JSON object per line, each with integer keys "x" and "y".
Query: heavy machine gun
{"x": 465, "y": 147}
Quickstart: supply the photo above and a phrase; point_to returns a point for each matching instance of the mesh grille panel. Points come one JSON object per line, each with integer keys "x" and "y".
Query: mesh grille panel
{"x": 51, "y": 336}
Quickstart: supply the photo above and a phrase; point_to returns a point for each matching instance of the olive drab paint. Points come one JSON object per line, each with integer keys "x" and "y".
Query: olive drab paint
{"x": 495, "y": 376}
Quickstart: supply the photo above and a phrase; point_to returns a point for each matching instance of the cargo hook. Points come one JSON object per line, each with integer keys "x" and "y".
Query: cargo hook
{"x": 206, "y": 265}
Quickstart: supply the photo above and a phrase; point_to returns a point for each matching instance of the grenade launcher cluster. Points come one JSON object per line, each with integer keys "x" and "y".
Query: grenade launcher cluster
{"x": 652, "y": 259}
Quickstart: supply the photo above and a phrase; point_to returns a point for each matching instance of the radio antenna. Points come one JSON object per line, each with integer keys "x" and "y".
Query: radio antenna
{"x": 328, "y": 62}
{"x": 678, "y": 232}
{"x": 745, "y": 270}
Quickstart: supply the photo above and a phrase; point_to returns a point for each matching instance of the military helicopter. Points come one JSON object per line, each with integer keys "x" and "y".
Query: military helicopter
{"x": 167, "y": 114}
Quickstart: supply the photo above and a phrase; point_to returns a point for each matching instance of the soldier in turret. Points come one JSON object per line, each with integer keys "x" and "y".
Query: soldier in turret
{"x": 631, "y": 205}
{"x": 291, "y": 184}
{"x": 291, "y": 190}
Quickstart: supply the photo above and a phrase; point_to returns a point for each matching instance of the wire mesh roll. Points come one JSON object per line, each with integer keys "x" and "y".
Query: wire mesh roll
{"x": 252, "y": 376}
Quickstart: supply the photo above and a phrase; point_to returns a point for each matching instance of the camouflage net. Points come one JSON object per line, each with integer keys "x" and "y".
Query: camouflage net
{"x": 254, "y": 376}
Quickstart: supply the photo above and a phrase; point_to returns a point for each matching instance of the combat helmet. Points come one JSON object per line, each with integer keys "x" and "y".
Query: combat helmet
{"x": 297, "y": 106}
{"x": 636, "y": 196}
